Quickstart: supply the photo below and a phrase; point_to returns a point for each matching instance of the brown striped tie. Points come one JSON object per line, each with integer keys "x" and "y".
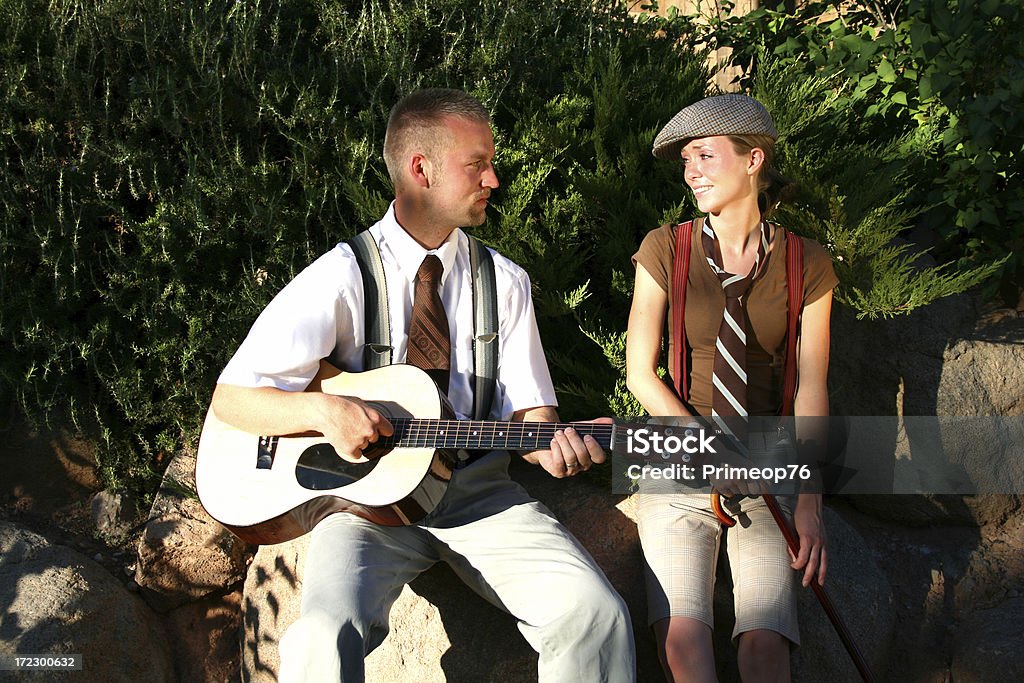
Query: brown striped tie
{"x": 729, "y": 376}
{"x": 430, "y": 345}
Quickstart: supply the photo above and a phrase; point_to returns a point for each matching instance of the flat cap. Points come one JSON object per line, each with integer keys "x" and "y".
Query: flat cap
{"x": 720, "y": 115}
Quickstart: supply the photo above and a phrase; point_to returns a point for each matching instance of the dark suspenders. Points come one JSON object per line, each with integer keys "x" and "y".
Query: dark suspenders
{"x": 378, "y": 350}
{"x": 485, "y": 329}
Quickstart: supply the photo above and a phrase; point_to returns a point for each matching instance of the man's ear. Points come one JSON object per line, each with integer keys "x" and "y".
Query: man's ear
{"x": 420, "y": 170}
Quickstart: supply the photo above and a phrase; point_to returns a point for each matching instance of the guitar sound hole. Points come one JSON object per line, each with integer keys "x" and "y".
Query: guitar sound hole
{"x": 320, "y": 468}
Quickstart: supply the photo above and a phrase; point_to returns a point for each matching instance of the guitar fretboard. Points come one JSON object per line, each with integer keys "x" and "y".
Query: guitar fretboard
{"x": 476, "y": 434}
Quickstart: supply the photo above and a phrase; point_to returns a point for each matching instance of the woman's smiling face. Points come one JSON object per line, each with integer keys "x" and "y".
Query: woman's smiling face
{"x": 718, "y": 175}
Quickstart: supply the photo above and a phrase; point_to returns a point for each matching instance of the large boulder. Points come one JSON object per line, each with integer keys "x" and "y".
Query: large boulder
{"x": 440, "y": 630}
{"x": 184, "y": 555}
{"x": 56, "y": 601}
{"x": 976, "y": 387}
{"x": 942, "y": 360}
{"x": 957, "y": 364}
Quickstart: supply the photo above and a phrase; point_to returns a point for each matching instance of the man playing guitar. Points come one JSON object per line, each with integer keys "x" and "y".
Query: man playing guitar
{"x": 505, "y": 545}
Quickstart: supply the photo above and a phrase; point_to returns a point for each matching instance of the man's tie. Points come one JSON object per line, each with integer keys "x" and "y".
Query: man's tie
{"x": 429, "y": 341}
{"x": 729, "y": 376}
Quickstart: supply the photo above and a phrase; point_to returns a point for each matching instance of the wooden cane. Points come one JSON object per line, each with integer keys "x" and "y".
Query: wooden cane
{"x": 826, "y": 603}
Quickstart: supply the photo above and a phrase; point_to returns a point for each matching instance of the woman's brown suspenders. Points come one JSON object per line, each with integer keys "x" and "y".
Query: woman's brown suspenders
{"x": 794, "y": 285}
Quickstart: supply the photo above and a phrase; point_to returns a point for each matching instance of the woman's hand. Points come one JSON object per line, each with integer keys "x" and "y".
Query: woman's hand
{"x": 810, "y": 529}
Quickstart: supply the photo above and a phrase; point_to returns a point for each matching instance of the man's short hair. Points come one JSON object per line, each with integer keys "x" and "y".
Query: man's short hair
{"x": 415, "y": 120}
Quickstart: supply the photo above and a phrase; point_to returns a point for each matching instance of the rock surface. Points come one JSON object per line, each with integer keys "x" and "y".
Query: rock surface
{"x": 55, "y": 600}
{"x": 953, "y": 364}
{"x": 204, "y": 637}
{"x": 990, "y": 649}
{"x": 938, "y": 361}
{"x": 113, "y": 514}
{"x": 994, "y": 569}
{"x": 184, "y": 555}
{"x": 440, "y": 630}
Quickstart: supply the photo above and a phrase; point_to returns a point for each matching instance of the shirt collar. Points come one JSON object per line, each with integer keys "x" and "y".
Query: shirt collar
{"x": 409, "y": 253}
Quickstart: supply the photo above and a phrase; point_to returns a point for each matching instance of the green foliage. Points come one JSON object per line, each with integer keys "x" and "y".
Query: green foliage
{"x": 852, "y": 197}
{"x": 169, "y": 167}
{"x": 946, "y": 72}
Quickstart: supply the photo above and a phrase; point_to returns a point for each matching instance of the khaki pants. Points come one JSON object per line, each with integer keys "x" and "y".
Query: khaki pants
{"x": 504, "y": 545}
{"x": 680, "y": 536}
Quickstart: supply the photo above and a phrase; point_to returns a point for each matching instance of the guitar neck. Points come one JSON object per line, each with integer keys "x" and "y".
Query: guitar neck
{"x": 483, "y": 435}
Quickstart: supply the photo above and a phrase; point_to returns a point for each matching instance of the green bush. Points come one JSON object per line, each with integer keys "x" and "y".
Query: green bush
{"x": 946, "y": 72}
{"x": 169, "y": 167}
{"x": 852, "y": 196}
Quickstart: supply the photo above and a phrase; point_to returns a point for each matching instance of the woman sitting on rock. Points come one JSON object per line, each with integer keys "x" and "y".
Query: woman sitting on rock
{"x": 735, "y": 343}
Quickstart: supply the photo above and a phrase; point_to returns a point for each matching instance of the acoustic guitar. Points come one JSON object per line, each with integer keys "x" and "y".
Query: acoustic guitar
{"x": 271, "y": 489}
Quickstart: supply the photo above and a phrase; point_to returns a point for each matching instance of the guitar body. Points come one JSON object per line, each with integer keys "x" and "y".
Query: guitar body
{"x": 273, "y": 489}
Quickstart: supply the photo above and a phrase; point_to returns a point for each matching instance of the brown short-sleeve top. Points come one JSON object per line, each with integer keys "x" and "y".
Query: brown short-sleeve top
{"x": 705, "y": 304}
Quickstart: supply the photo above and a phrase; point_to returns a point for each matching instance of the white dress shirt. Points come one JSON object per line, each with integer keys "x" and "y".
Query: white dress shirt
{"x": 321, "y": 311}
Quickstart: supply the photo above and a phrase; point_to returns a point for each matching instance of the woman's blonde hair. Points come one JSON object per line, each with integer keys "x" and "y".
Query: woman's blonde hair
{"x": 773, "y": 187}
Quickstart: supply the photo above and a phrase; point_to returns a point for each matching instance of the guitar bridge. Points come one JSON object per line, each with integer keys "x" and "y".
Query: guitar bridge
{"x": 265, "y": 451}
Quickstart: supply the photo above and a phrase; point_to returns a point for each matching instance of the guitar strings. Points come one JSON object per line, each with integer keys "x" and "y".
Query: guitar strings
{"x": 473, "y": 433}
